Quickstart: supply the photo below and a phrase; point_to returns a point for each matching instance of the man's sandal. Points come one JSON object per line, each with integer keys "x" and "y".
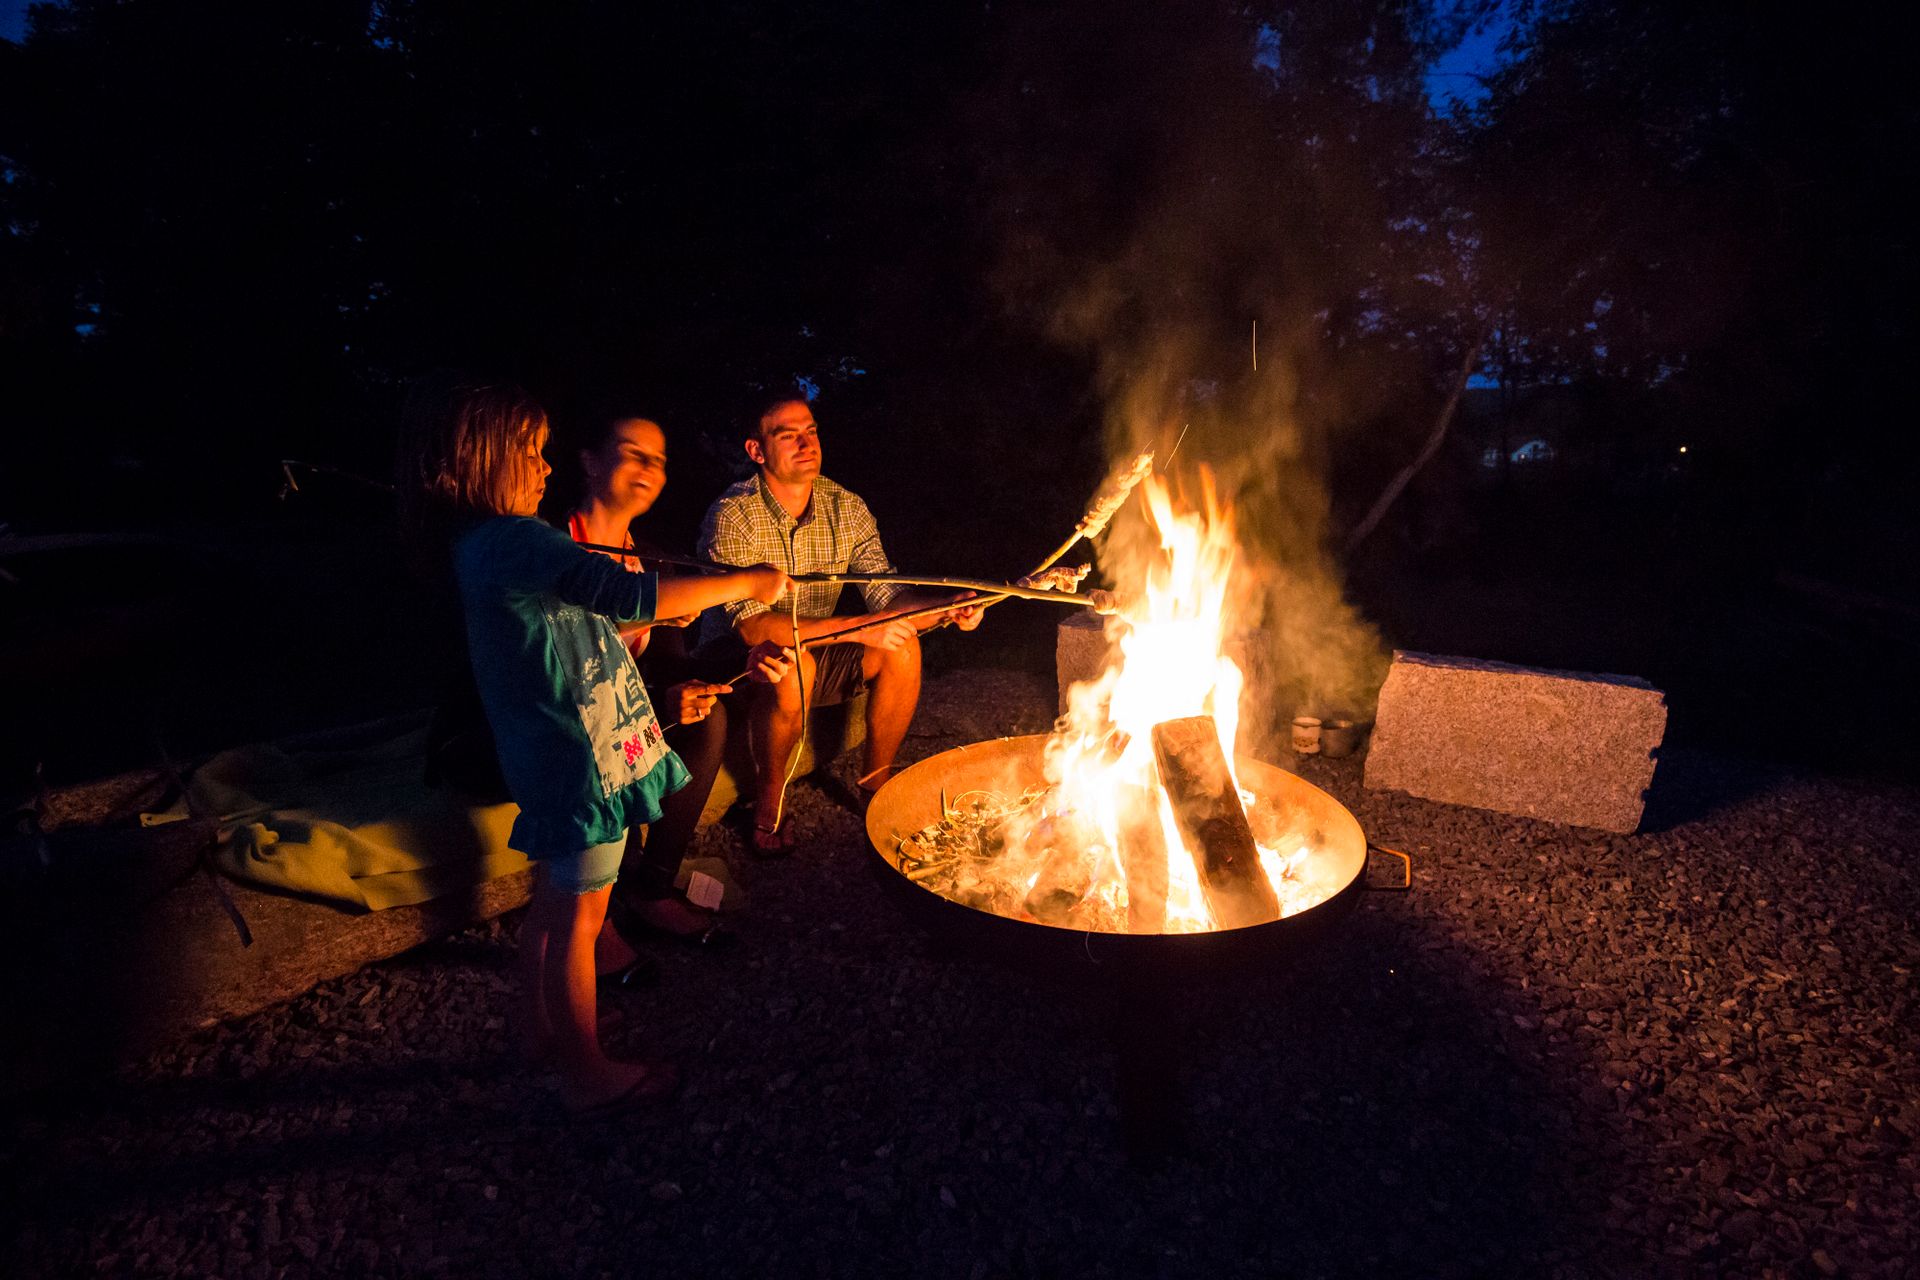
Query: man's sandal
{"x": 769, "y": 843}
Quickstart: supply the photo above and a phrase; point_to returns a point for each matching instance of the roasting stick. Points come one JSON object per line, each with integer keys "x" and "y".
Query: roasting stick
{"x": 1112, "y": 496}
{"x": 1107, "y": 501}
{"x": 1098, "y": 601}
{"x": 1106, "y": 504}
{"x": 679, "y": 562}
{"x": 1000, "y": 590}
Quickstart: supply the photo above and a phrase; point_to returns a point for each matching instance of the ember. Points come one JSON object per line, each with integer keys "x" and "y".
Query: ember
{"x": 1133, "y": 816}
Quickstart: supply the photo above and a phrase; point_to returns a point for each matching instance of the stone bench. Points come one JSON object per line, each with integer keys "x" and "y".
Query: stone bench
{"x": 1564, "y": 746}
{"x": 127, "y": 943}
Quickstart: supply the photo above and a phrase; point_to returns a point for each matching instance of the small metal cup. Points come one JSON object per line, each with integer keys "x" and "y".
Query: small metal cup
{"x": 1340, "y": 737}
{"x": 1306, "y": 735}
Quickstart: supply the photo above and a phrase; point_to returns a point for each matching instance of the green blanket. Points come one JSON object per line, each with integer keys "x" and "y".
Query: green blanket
{"x": 347, "y": 820}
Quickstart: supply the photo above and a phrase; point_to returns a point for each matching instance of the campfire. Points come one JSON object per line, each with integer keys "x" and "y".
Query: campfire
{"x": 1135, "y": 816}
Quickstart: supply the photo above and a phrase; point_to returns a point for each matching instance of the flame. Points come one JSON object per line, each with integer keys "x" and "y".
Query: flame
{"x": 1170, "y": 634}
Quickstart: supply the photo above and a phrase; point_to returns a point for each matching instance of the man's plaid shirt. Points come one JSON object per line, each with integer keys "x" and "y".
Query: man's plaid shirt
{"x": 745, "y": 526}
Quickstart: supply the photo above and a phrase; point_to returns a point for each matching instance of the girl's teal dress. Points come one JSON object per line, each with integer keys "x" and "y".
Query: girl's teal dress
{"x": 577, "y": 738}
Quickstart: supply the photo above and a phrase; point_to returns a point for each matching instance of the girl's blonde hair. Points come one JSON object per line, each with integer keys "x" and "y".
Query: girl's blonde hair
{"x": 463, "y": 452}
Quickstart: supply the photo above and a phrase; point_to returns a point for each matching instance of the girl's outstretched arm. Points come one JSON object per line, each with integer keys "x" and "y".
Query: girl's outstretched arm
{"x": 692, "y": 595}
{"x": 517, "y": 553}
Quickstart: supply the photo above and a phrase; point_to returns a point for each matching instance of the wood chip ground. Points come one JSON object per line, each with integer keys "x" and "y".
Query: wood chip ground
{"x": 1688, "y": 1052}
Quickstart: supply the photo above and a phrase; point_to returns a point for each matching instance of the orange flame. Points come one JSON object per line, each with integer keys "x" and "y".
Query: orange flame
{"x": 1170, "y": 636}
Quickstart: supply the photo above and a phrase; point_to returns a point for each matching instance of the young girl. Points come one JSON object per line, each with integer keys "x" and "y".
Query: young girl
{"x": 623, "y": 466}
{"x": 581, "y": 751}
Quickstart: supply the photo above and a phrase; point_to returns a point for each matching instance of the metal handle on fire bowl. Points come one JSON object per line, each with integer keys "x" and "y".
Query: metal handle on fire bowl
{"x": 1406, "y": 862}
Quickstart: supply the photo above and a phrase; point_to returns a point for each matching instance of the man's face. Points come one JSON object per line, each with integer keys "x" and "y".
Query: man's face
{"x": 630, "y": 469}
{"x": 788, "y": 443}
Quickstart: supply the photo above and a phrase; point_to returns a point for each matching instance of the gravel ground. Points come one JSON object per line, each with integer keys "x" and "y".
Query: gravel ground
{"x": 1687, "y": 1052}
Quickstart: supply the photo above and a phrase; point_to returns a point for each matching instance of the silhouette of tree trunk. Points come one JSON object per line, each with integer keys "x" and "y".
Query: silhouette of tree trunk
{"x": 1432, "y": 446}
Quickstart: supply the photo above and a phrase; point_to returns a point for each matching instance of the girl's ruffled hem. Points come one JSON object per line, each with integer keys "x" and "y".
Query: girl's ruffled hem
{"x": 600, "y": 821}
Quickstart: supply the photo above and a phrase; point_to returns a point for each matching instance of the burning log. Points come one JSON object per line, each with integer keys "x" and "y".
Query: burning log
{"x": 1068, "y": 871}
{"x": 1143, "y": 859}
{"x": 1212, "y": 823}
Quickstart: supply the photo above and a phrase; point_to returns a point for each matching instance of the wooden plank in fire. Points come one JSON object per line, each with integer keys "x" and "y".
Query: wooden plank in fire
{"x": 1143, "y": 857}
{"x": 1207, "y": 809}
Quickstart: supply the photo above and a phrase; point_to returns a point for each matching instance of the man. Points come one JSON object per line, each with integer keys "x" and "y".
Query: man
{"x": 791, "y": 516}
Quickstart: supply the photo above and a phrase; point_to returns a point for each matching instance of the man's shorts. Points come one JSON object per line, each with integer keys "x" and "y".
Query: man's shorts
{"x": 837, "y": 675}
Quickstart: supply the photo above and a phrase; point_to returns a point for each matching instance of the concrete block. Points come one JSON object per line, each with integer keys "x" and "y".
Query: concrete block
{"x": 1081, "y": 651}
{"x": 1564, "y": 746}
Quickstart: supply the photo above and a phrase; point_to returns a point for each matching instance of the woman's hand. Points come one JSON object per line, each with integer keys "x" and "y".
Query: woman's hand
{"x": 694, "y": 700}
{"x": 768, "y": 662}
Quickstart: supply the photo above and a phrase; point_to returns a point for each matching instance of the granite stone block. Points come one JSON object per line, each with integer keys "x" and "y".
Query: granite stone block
{"x": 1564, "y": 746}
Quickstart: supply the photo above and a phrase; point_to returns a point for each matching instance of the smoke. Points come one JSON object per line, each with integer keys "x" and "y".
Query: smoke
{"x": 1249, "y": 448}
{"x": 1215, "y": 166}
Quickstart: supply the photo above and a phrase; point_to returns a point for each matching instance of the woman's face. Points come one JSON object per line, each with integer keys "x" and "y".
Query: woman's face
{"x": 628, "y": 472}
{"x": 531, "y": 471}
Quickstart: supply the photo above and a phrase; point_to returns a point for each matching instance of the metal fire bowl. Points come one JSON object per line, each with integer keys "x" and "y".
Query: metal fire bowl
{"x": 911, "y": 800}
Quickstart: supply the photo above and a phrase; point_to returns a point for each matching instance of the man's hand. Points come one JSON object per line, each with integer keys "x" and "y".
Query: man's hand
{"x": 968, "y": 618}
{"x": 768, "y": 662}
{"x": 887, "y": 635}
{"x": 694, "y": 699}
{"x": 684, "y": 620}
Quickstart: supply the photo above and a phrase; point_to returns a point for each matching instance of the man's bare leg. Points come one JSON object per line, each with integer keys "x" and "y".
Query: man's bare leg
{"x": 776, "y": 724}
{"x": 893, "y": 679}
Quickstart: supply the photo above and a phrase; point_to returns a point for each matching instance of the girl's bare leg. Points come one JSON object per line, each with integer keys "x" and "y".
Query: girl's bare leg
{"x": 567, "y": 997}
{"x": 534, "y": 1028}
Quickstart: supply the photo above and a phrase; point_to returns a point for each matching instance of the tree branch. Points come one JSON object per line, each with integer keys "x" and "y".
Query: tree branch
{"x": 1427, "y": 450}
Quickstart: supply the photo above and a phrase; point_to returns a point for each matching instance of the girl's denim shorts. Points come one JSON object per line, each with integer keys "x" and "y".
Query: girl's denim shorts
{"x": 588, "y": 871}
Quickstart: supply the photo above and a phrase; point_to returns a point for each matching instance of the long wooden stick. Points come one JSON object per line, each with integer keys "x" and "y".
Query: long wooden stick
{"x": 1111, "y": 496}
{"x": 999, "y": 589}
{"x": 1091, "y": 601}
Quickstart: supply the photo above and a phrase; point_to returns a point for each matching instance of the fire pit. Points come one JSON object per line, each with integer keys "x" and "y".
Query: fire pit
{"x": 1145, "y": 984}
{"x": 1130, "y": 853}
{"x": 913, "y": 800}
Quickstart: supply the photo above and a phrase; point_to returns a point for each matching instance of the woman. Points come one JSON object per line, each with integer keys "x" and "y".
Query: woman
{"x": 623, "y": 462}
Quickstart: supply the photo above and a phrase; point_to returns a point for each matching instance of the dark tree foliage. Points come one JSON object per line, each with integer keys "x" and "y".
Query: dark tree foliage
{"x": 1702, "y": 203}
{"x": 235, "y": 228}
{"x": 269, "y": 215}
{"x": 996, "y": 235}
